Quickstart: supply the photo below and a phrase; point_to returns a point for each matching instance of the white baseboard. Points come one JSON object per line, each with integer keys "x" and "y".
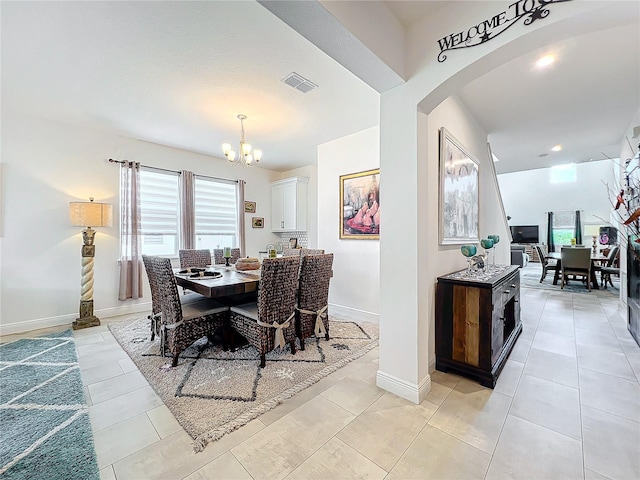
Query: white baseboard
{"x": 61, "y": 320}
{"x": 409, "y": 391}
{"x": 432, "y": 365}
{"x": 349, "y": 313}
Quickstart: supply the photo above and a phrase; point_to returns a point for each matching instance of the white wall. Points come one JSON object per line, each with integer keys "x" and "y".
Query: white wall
{"x": 46, "y": 165}
{"x": 311, "y": 172}
{"x": 355, "y": 286}
{"x": 442, "y": 259}
{"x": 528, "y": 195}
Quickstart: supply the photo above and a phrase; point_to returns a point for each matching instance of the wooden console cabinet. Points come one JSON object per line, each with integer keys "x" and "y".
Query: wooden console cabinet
{"x": 477, "y": 323}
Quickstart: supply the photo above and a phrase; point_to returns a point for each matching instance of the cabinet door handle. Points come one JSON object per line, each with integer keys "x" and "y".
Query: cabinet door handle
{"x": 507, "y": 291}
{"x": 282, "y": 224}
{"x": 513, "y": 285}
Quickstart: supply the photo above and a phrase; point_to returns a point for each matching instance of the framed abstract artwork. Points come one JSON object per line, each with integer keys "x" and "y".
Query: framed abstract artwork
{"x": 459, "y": 179}
{"x": 257, "y": 222}
{"x": 360, "y": 205}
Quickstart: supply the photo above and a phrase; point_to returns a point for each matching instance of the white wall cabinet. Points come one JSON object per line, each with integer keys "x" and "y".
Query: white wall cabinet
{"x": 289, "y": 204}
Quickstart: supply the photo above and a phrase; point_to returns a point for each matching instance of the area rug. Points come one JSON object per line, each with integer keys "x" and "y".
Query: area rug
{"x": 212, "y": 392}
{"x": 530, "y": 278}
{"x": 44, "y": 420}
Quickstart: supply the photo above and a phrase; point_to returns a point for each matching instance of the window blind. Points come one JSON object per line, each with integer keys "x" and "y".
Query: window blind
{"x": 159, "y": 203}
{"x": 215, "y": 207}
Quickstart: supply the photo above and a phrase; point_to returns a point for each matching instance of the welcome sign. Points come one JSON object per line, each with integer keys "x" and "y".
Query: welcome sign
{"x": 494, "y": 26}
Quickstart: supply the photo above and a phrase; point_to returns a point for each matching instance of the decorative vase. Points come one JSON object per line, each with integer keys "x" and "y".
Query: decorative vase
{"x": 468, "y": 251}
{"x": 487, "y": 244}
{"x": 496, "y": 239}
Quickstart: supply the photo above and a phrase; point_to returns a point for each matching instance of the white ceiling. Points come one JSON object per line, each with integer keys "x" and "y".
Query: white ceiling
{"x": 178, "y": 76}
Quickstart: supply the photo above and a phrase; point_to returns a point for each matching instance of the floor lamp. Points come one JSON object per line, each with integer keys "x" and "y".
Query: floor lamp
{"x": 88, "y": 214}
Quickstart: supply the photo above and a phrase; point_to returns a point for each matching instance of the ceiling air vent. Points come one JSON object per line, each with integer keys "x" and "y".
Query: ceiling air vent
{"x": 299, "y": 82}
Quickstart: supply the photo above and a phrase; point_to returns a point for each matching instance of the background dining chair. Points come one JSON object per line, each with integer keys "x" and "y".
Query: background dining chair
{"x": 218, "y": 256}
{"x": 609, "y": 267}
{"x": 313, "y": 297}
{"x": 291, "y": 252}
{"x": 194, "y": 258}
{"x": 271, "y": 320}
{"x": 575, "y": 261}
{"x": 181, "y": 325}
{"x": 311, "y": 251}
{"x": 547, "y": 263}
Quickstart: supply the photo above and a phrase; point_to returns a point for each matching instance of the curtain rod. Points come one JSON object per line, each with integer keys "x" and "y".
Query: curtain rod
{"x": 122, "y": 162}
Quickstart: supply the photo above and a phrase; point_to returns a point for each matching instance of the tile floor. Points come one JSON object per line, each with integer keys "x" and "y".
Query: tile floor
{"x": 567, "y": 405}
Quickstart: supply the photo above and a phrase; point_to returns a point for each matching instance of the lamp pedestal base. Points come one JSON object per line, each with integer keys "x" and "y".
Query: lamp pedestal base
{"x": 87, "y": 318}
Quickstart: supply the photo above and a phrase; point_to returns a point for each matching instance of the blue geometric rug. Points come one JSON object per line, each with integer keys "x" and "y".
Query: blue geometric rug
{"x": 44, "y": 421}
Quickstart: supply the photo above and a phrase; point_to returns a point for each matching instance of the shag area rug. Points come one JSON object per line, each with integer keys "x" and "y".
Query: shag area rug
{"x": 530, "y": 278}
{"x": 212, "y": 392}
{"x": 44, "y": 420}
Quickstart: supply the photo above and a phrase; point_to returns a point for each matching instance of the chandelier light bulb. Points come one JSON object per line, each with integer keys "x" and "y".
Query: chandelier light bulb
{"x": 246, "y": 148}
{"x": 248, "y": 158}
{"x": 257, "y": 154}
{"x": 231, "y": 155}
{"x": 226, "y": 148}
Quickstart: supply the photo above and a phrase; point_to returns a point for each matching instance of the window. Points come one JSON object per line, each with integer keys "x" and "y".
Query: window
{"x": 564, "y": 224}
{"x": 563, "y": 173}
{"x": 216, "y": 215}
{"x": 159, "y": 212}
{"x": 215, "y": 212}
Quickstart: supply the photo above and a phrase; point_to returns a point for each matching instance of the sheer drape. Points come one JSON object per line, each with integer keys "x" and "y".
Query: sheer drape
{"x": 187, "y": 211}
{"x": 130, "y": 238}
{"x": 241, "y": 239}
{"x": 550, "y": 244}
{"x": 578, "y": 229}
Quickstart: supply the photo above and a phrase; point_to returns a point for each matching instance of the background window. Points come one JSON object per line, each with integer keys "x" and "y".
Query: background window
{"x": 564, "y": 224}
{"x": 564, "y": 173}
{"x": 159, "y": 212}
{"x": 216, "y": 214}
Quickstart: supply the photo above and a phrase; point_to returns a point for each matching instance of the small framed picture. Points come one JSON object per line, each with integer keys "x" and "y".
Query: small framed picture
{"x": 250, "y": 207}
{"x": 257, "y": 222}
{"x": 293, "y": 243}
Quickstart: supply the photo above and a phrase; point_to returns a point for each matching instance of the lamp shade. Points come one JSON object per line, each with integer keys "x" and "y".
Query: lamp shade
{"x": 592, "y": 230}
{"x": 90, "y": 214}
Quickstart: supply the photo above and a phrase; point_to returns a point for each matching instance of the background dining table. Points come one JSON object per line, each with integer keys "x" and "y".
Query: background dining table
{"x": 594, "y": 259}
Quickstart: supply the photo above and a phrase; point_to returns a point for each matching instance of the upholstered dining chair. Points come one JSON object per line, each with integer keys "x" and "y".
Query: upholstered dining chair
{"x": 156, "y": 300}
{"x": 194, "y": 258}
{"x": 156, "y": 303}
{"x": 291, "y": 252}
{"x": 575, "y": 261}
{"x": 547, "y": 263}
{"x": 313, "y": 297}
{"x": 181, "y": 325}
{"x": 270, "y": 321}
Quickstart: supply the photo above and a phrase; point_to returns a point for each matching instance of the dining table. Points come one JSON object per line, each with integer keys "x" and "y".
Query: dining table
{"x": 231, "y": 285}
{"x": 595, "y": 259}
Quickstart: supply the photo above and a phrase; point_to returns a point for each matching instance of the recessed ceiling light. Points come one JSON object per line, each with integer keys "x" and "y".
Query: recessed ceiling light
{"x": 557, "y": 148}
{"x": 545, "y": 61}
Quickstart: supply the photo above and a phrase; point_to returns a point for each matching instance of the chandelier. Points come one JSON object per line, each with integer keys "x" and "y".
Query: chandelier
{"x": 245, "y": 155}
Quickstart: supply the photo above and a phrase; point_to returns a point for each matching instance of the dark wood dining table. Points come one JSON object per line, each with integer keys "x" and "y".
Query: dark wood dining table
{"x": 594, "y": 259}
{"x": 233, "y": 284}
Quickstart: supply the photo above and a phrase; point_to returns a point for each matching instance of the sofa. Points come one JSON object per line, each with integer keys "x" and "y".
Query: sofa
{"x": 519, "y": 256}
